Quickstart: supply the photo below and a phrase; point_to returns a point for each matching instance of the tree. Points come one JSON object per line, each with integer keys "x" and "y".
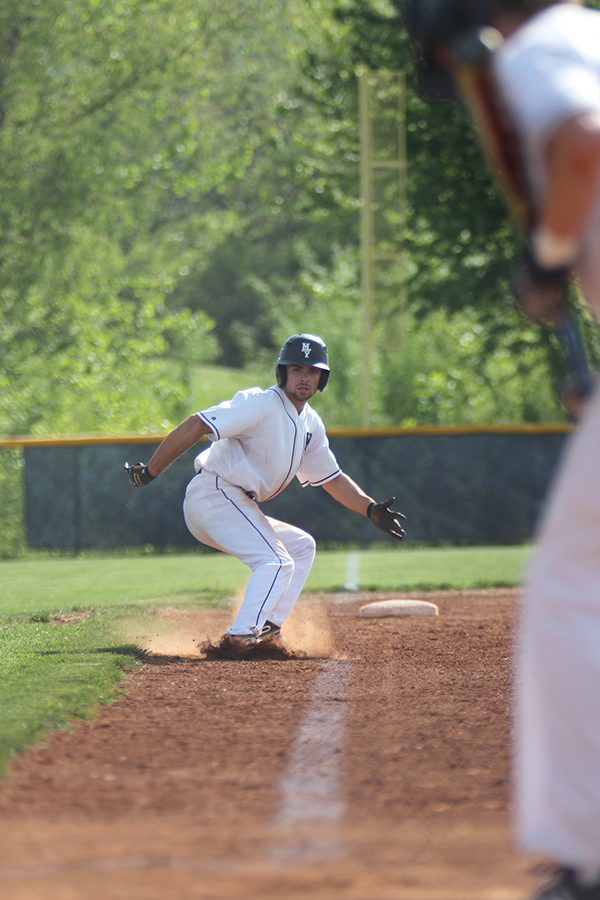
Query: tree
{"x": 180, "y": 183}
{"x": 113, "y": 120}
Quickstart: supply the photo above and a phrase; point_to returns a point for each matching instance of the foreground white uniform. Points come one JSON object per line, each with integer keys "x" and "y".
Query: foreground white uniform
{"x": 550, "y": 72}
{"x": 260, "y": 443}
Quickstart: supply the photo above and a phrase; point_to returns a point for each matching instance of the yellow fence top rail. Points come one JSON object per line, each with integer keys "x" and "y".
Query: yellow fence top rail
{"x": 86, "y": 439}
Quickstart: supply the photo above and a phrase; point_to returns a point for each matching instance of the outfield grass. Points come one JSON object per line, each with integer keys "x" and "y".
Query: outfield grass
{"x": 212, "y": 384}
{"x": 419, "y": 569}
{"x": 52, "y": 673}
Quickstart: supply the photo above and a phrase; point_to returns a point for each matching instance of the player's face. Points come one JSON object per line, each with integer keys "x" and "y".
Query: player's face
{"x": 301, "y": 384}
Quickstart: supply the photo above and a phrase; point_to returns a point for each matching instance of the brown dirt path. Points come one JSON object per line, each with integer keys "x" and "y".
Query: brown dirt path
{"x": 178, "y": 789}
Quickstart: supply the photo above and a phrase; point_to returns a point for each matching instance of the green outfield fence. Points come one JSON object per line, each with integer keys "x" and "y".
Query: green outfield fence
{"x": 463, "y": 485}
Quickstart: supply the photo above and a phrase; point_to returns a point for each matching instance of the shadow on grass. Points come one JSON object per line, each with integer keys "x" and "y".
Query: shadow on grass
{"x": 129, "y": 650}
{"x": 119, "y": 650}
{"x": 151, "y": 659}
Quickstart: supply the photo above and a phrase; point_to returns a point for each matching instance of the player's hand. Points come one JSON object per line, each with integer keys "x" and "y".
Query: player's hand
{"x": 139, "y": 474}
{"x": 573, "y": 398}
{"x": 387, "y": 519}
{"x": 540, "y": 293}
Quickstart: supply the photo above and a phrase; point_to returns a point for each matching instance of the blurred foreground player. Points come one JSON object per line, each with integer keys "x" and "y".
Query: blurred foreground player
{"x": 544, "y": 58}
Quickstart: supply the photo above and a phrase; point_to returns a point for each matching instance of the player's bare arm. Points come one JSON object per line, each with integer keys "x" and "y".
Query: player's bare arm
{"x": 184, "y": 436}
{"x": 177, "y": 442}
{"x": 348, "y": 493}
{"x": 573, "y": 175}
{"x": 343, "y": 489}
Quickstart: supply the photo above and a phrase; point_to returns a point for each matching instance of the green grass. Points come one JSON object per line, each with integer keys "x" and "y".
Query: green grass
{"x": 53, "y": 673}
{"x": 421, "y": 569}
{"x": 212, "y": 384}
{"x": 52, "y": 585}
{"x": 50, "y": 674}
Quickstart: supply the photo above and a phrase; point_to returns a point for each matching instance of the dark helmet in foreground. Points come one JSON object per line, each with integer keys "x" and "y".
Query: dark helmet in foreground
{"x": 303, "y": 350}
{"x": 457, "y": 27}
{"x": 440, "y": 22}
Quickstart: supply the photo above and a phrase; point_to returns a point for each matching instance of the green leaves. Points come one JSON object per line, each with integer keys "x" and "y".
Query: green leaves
{"x": 180, "y": 185}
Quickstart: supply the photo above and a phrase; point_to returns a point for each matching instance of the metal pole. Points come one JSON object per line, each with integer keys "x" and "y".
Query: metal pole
{"x": 366, "y": 239}
{"x": 402, "y": 190}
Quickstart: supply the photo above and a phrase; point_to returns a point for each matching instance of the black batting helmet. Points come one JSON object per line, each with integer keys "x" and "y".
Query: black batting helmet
{"x": 431, "y": 22}
{"x": 435, "y": 24}
{"x": 454, "y": 25}
{"x": 303, "y": 350}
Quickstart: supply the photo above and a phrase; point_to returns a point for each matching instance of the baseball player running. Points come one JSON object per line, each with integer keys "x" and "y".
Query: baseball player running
{"x": 546, "y": 64}
{"x": 261, "y": 439}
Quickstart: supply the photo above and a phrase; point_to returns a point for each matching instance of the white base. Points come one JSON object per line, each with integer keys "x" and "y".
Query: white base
{"x": 383, "y": 608}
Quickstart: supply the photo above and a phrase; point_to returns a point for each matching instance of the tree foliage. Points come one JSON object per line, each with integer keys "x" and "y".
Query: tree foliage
{"x": 180, "y": 184}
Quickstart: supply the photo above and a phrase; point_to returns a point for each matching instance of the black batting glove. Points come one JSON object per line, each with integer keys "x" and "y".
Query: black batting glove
{"x": 139, "y": 474}
{"x": 573, "y": 398}
{"x": 387, "y": 519}
{"x": 540, "y": 293}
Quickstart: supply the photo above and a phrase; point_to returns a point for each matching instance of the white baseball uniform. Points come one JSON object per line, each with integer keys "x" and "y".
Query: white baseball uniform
{"x": 259, "y": 443}
{"x": 549, "y": 71}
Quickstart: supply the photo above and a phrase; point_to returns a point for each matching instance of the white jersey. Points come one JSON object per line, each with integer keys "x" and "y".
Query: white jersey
{"x": 261, "y": 441}
{"x": 549, "y": 72}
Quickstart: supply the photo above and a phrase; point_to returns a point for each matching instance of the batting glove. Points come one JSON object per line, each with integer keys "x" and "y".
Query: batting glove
{"x": 387, "y": 519}
{"x": 139, "y": 474}
{"x": 573, "y": 398}
{"x": 540, "y": 292}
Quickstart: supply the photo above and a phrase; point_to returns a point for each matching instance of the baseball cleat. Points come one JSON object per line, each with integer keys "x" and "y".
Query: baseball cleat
{"x": 566, "y": 887}
{"x": 242, "y": 640}
{"x": 248, "y": 647}
{"x": 270, "y": 632}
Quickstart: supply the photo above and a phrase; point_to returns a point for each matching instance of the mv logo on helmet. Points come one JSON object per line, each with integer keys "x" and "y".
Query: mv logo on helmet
{"x": 306, "y": 348}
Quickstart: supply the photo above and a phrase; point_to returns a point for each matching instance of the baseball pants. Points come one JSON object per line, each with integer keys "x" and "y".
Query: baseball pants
{"x": 557, "y": 750}
{"x": 222, "y": 516}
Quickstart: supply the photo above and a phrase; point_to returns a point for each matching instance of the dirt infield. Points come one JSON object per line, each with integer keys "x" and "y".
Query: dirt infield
{"x": 376, "y": 768}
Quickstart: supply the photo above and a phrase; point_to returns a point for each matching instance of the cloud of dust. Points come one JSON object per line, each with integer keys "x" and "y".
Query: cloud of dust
{"x": 175, "y": 632}
{"x": 308, "y": 628}
{"x": 180, "y": 632}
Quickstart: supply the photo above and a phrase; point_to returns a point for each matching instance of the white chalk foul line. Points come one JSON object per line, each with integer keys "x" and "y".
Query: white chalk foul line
{"x": 310, "y": 786}
{"x": 310, "y": 794}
